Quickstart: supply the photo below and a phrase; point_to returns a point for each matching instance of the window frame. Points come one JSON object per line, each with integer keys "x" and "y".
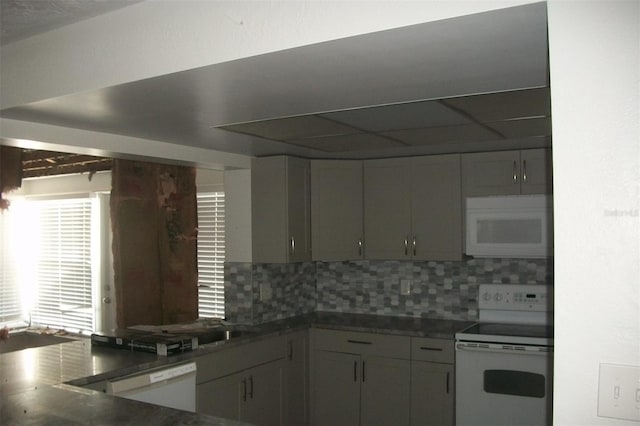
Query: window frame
{"x": 26, "y": 211}
{"x": 211, "y": 206}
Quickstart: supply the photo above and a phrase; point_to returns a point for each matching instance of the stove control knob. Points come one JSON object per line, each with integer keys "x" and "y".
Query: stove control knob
{"x": 486, "y": 296}
{"x": 497, "y": 297}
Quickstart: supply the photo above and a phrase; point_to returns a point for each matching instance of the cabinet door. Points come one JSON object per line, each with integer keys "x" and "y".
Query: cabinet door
{"x": 336, "y": 389}
{"x": 262, "y": 395}
{"x": 387, "y": 201}
{"x": 295, "y": 381}
{"x": 298, "y": 238}
{"x": 436, "y": 214}
{"x": 536, "y": 171}
{"x": 385, "y": 391}
{"x": 336, "y": 210}
{"x": 269, "y": 216}
{"x": 432, "y": 394}
{"x": 220, "y": 397}
{"x": 491, "y": 173}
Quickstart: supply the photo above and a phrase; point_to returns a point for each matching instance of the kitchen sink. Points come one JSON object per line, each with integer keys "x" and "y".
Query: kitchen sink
{"x": 213, "y": 336}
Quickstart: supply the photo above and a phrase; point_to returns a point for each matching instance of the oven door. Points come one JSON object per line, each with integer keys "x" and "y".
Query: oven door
{"x": 501, "y": 384}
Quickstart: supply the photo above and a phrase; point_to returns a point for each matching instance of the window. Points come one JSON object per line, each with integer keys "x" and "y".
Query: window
{"x": 57, "y": 244}
{"x": 10, "y": 311}
{"x": 53, "y": 262}
{"x": 64, "y": 264}
{"x": 211, "y": 251}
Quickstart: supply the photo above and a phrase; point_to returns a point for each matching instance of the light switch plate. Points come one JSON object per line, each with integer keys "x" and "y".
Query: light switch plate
{"x": 619, "y": 392}
{"x": 405, "y": 287}
{"x": 265, "y": 292}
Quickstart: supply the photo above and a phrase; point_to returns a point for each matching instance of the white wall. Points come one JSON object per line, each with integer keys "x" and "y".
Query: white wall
{"x": 65, "y": 184}
{"x": 25, "y": 134}
{"x": 99, "y": 182}
{"x": 595, "y": 77}
{"x": 158, "y": 37}
{"x": 209, "y": 179}
{"x": 237, "y": 185}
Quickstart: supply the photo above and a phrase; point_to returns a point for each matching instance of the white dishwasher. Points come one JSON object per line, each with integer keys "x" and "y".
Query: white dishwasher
{"x": 173, "y": 387}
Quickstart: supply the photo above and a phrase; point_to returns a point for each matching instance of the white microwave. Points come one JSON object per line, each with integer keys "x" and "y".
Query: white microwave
{"x": 519, "y": 226}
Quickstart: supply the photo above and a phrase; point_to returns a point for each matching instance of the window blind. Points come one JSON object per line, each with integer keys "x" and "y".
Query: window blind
{"x": 211, "y": 252}
{"x": 10, "y": 309}
{"x": 64, "y": 274}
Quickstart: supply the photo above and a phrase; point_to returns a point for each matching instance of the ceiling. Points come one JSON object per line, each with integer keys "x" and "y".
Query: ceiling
{"x": 20, "y": 19}
{"x": 478, "y": 82}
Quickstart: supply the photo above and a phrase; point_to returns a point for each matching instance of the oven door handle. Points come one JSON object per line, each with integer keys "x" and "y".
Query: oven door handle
{"x": 510, "y": 349}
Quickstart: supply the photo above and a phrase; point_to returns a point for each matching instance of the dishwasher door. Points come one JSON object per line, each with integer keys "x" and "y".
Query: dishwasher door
{"x": 173, "y": 387}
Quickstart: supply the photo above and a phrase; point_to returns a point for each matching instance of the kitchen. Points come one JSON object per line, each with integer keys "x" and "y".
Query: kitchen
{"x": 141, "y": 146}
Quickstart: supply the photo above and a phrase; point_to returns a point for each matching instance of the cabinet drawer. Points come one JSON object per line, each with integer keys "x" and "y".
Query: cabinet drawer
{"x": 238, "y": 358}
{"x": 384, "y": 345}
{"x": 433, "y": 350}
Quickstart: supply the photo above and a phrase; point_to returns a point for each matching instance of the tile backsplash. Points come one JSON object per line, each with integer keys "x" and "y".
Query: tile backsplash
{"x": 439, "y": 290}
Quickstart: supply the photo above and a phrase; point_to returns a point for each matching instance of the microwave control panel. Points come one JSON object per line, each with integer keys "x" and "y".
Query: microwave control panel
{"x": 515, "y": 297}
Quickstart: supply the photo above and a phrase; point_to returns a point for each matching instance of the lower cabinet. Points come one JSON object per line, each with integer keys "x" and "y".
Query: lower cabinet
{"x": 336, "y": 389}
{"x": 432, "y": 382}
{"x": 354, "y": 386}
{"x": 296, "y": 382}
{"x": 358, "y": 390}
{"x": 253, "y": 395}
{"x": 331, "y": 377}
{"x": 431, "y": 394}
{"x": 262, "y": 383}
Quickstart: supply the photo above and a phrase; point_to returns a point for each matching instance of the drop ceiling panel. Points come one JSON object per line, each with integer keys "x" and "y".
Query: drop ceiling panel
{"x": 307, "y": 126}
{"x": 505, "y": 105}
{"x": 348, "y": 143}
{"x": 523, "y": 128}
{"x": 401, "y": 116}
{"x": 444, "y": 134}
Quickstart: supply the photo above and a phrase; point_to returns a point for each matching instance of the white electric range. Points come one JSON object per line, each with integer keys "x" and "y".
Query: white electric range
{"x": 504, "y": 363}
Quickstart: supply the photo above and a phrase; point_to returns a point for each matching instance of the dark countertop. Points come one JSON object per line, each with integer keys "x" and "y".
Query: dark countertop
{"x": 35, "y": 384}
{"x": 67, "y": 405}
{"x": 406, "y": 326}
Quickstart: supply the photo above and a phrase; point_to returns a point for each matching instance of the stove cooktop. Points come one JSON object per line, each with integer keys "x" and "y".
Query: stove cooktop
{"x": 508, "y": 333}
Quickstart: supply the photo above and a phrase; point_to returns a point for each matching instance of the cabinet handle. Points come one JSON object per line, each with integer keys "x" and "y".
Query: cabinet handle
{"x": 427, "y": 348}
{"x": 355, "y": 371}
{"x": 515, "y": 172}
{"x": 359, "y": 342}
{"x": 448, "y": 374}
{"x": 524, "y": 170}
{"x": 251, "y": 387}
{"x": 290, "y": 350}
{"x": 293, "y": 246}
{"x": 244, "y": 390}
{"x": 360, "y": 247}
{"x": 406, "y": 246}
{"x": 364, "y": 377}
{"x": 415, "y": 246}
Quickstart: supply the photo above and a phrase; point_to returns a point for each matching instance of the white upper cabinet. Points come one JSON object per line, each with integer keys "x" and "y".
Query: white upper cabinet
{"x": 336, "y": 210}
{"x": 413, "y": 208}
{"x": 436, "y": 208}
{"x": 507, "y": 173}
{"x": 281, "y": 216}
{"x": 387, "y": 206}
